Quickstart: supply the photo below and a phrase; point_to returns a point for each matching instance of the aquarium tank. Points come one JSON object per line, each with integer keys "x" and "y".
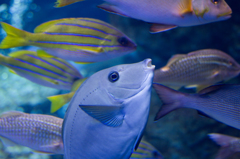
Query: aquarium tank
{"x": 181, "y": 134}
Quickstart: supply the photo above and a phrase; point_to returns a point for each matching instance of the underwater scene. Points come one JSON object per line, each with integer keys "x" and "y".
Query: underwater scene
{"x": 118, "y": 79}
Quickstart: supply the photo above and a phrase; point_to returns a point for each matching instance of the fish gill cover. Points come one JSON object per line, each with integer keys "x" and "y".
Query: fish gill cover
{"x": 180, "y": 134}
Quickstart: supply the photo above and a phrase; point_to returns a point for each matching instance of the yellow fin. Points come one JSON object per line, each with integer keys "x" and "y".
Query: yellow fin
{"x": 59, "y": 100}
{"x": 15, "y": 37}
{"x": 185, "y": 7}
{"x": 42, "y": 53}
{"x": 21, "y": 52}
{"x": 62, "y": 3}
{"x": 77, "y": 84}
{"x": 42, "y": 152}
{"x": 12, "y": 71}
{"x": 201, "y": 87}
{"x": 175, "y": 58}
{"x": 156, "y": 28}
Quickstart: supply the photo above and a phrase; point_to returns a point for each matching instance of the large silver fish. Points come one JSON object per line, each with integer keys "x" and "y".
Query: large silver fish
{"x": 42, "y": 133}
{"x": 229, "y": 145}
{"x": 199, "y": 69}
{"x": 166, "y": 14}
{"x": 220, "y": 102}
{"x": 108, "y": 113}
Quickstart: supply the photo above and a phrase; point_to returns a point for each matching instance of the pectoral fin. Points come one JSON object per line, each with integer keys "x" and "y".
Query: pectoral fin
{"x": 42, "y": 53}
{"x": 108, "y": 115}
{"x": 111, "y": 8}
{"x": 156, "y": 28}
{"x": 7, "y": 142}
{"x": 185, "y": 7}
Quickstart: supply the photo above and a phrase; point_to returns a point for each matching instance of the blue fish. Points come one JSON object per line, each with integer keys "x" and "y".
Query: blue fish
{"x": 108, "y": 113}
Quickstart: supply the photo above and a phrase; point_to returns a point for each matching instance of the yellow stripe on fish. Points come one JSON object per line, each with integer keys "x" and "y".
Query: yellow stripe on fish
{"x": 76, "y": 39}
{"x": 51, "y": 72}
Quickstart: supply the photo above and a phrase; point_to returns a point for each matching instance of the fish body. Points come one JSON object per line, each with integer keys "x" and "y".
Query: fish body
{"x": 167, "y": 14}
{"x": 146, "y": 151}
{"x": 75, "y": 39}
{"x": 51, "y": 72}
{"x": 229, "y": 145}
{"x": 220, "y": 102}
{"x": 197, "y": 69}
{"x": 108, "y": 113}
{"x": 42, "y": 133}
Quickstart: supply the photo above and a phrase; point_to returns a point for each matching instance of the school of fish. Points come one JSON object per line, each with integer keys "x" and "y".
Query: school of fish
{"x": 108, "y": 111}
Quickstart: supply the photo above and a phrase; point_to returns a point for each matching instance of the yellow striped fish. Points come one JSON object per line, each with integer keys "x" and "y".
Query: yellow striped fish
{"x": 51, "y": 72}
{"x": 75, "y": 39}
{"x": 146, "y": 151}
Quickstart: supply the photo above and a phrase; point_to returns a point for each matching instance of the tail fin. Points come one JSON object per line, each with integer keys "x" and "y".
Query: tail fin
{"x": 58, "y": 101}
{"x": 170, "y": 98}
{"x": 62, "y": 3}
{"x": 225, "y": 142}
{"x": 15, "y": 37}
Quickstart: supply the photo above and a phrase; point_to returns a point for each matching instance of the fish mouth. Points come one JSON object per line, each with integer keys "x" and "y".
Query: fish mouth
{"x": 225, "y": 15}
{"x": 148, "y": 64}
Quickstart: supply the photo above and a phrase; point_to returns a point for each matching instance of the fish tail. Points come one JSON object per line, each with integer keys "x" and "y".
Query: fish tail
{"x": 62, "y": 3}
{"x": 58, "y": 101}
{"x": 15, "y": 37}
{"x": 224, "y": 141}
{"x": 170, "y": 98}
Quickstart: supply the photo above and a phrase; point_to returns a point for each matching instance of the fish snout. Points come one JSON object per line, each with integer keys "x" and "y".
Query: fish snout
{"x": 148, "y": 64}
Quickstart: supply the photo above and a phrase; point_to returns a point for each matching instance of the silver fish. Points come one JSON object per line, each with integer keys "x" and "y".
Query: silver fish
{"x": 220, "y": 102}
{"x": 229, "y": 145}
{"x": 199, "y": 69}
{"x": 108, "y": 113}
{"x": 42, "y": 133}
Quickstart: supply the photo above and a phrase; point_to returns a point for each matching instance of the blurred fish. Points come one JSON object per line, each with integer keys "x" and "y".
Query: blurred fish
{"x": 58, "y": 101}
{"x": 146, "y": 151}
{"x": 51, "y": 72}
{"x": 199, "y": 69}
{"x": 166, "y": 14}
{"x": 42, "y": 133}
{"x": 229, "y": 145}
{"x": 110, "y": 109}
{"x": 220, "y": 102}
{"x": 76, "y": 39}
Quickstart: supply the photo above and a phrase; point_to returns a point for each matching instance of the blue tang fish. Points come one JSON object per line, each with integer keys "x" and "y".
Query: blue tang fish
{"x": 108, "y": 113}
{"x": 220, "y": 102}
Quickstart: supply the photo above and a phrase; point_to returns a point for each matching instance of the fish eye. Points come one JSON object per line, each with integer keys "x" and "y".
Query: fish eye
{"x": 123, "y": 41}
{"x": 113, "y": 76}
{"x": 215, "y": 1}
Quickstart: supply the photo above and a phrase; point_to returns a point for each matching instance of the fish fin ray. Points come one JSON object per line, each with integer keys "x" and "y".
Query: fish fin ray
{"x": 210, "y": 89}
{"x": 15, "y": 37}
{"x": 185, "y": 7}
{"x": 111, "y": 9}
{"x": 8, "y": 143}
{"x": 191, "y": 86}
{"x": 108, "y": 115}
{"x": 62, "y": 3}
{"x": 11, "y": 113}
{"x": 42, "y": 152}
{"x": 42, "y": 53}
{"x": 170, "y": 98}
{"x": 220, "y": 139}
{"x": 175, "y": 58}
{"x": 12, "y": 71}
{"x": 58, "y": 101}
{"x": 21, "y": 52}
{"x": 156, "y": 28}
{"x": 201, "y": 87}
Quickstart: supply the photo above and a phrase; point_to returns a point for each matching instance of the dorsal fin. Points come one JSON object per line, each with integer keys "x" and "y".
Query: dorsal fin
{"x": 175, "y": 58}
{"x": 21, "y": 52}
{"x": 11, "y": 113}
{"x": 45, "y": 26}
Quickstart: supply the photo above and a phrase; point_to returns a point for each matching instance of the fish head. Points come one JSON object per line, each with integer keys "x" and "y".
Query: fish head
{"x": 211, "y": 10}
{"x": 119, "y": 44}
{"x": 125, "y": 81}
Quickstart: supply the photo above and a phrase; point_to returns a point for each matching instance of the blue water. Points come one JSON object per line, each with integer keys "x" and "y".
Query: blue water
{"x": 180, "y": 135}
